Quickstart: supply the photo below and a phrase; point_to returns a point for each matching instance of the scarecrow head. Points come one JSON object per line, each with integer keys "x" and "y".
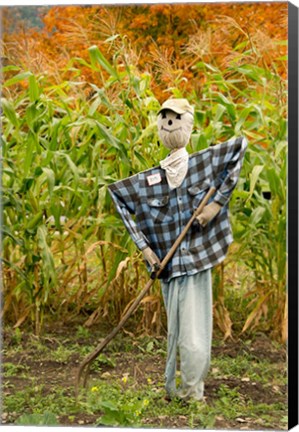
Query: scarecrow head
{"x": 175, "y": 123}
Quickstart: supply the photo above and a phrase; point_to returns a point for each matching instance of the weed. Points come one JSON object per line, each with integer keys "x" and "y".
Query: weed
{"x": 229, "y": 402}
{"x": 102, "y": 359}
{"x": 247, "y": 366}
{"x": 11, "y": 369}
{"x": 118, "y": 414}
{"x": 37, "y": 347}
{"x": 201, "y": 416}
{"x": 17, "y": 336}
{"x": 62, "y": 354}
{"x": 82, "y": 332}
{"x": 46, "y": 419}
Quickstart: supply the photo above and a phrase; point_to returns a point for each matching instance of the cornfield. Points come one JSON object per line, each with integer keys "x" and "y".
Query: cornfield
{"x": 65, "y": 251}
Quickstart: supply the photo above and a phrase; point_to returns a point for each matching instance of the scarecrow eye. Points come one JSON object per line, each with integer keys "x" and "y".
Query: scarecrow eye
{"x": 178, "y": 117}
{"x": 163, "y": 114}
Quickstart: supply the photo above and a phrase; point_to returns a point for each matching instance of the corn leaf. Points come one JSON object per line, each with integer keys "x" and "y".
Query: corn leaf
{"x": 17, "y": 78}
{"x": 254, "y": 177}
{"x": 98, "y": 58}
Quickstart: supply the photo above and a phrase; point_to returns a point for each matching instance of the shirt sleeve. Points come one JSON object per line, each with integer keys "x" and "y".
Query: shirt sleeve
{"x": 125, "y": 196}
{"x": 227, "y": 161}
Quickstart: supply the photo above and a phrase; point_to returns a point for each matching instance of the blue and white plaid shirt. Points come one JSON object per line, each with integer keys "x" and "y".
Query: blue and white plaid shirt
{"x": 155, "y": 215}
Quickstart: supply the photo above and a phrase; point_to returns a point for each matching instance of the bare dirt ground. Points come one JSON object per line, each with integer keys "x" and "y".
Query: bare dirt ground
{"x": 60, "y": 372}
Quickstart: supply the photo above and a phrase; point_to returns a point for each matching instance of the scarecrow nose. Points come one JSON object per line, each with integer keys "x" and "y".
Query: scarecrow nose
{"x": 169, "y": 122}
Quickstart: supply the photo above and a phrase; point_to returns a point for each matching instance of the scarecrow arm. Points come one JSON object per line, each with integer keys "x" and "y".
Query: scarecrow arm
{"x": 227, "y": 160}
{"x": 124, "y": 194}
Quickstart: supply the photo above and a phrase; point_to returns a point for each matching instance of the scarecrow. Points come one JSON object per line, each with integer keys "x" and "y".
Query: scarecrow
{"x": 155, "y": 205}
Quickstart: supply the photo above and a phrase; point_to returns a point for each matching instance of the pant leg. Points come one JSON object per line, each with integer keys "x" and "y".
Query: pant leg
{"x": 170, "y": 296}
{"x": 195, "y": 333}
{"x": 188, "y": 303}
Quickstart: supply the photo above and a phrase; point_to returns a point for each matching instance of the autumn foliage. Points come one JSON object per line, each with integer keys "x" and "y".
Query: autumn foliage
{"x": 164, "y": 40}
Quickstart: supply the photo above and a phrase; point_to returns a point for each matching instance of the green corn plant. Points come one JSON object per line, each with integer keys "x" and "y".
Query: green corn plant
{"x": 261, "y": 230}
{"x": 64, "y": 246}
{"x": 56, "y": 204}
{"x": 244, "y": 99}
{"x": 28, "y": 189}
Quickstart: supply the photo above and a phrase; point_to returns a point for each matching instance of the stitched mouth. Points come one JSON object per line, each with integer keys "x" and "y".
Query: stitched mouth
{"x": 170, "y": 131}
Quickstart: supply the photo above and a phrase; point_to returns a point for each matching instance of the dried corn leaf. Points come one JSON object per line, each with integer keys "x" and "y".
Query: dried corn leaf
{"x": 103, "y": 243}
{"x": 256, "y": 313}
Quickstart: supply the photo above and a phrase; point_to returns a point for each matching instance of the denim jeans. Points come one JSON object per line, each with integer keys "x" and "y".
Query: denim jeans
{"x": 188, "y": 302}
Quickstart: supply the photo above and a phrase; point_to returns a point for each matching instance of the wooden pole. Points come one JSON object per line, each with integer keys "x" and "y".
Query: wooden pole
{"x": 99, "y": 348}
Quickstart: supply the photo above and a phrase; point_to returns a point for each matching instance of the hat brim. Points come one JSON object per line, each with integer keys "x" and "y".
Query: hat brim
{"x": 177, "y": 110}
{"x": 174, "y": 109}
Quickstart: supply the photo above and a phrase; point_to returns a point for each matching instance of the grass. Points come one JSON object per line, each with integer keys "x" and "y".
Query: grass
{"x": 248, "y": 368}
{"x": 245, "y": 386}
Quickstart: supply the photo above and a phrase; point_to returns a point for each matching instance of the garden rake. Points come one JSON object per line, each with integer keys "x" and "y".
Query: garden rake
{"x": 84, "y": 367}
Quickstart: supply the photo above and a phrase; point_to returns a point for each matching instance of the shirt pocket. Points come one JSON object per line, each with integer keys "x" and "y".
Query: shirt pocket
{"x": 197, "y": 193}
{"x": 160, "y": 210}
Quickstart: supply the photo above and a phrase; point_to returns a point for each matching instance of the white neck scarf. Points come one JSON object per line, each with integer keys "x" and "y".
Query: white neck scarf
{"x": 176, "y": 167}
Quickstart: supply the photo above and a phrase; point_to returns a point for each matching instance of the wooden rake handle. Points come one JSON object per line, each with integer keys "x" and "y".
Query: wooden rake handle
{"x": 99, "y": 348}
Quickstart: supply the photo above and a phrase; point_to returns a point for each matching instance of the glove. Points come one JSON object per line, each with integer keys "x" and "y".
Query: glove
{"x": 150, "y": 256}
{"x": 208, "y": 213}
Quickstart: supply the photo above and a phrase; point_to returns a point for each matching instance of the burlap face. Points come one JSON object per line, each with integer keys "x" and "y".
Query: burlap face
{"x": 174, "y": 129}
